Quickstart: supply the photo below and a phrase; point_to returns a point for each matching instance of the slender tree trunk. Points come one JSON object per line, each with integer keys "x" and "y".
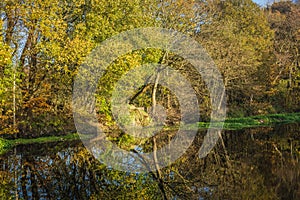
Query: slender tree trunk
{"x": 154, "y": 92}
{"x": 14, "y": 97}
{"x": 221, "y": 99}
{"x": 156, "y": 83}
{"x": 290, "y": 77}
{"x": 14, "y": 128}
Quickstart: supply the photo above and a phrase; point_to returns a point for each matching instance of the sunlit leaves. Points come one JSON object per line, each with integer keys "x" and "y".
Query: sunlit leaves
{"x": 238, "y": 38}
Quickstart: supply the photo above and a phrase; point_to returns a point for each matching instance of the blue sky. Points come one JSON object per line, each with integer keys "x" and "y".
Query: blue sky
{"x": 262, "y": 2}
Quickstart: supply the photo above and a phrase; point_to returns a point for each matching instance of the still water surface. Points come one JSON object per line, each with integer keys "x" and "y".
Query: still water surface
{"x": 256, "y": 163}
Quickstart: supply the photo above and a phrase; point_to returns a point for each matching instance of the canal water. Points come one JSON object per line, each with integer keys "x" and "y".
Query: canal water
{"x": 255, "y": 163}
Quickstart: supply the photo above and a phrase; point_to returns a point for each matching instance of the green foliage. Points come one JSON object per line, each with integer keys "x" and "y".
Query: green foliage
{"x": 284, "y": 19}
{"x": 114, "y": 72}
{"x": 238, "y": 37}
{"x": 56, "y": 36}
{"x": 43, "y": 43}
{"x": 5, "y": 145}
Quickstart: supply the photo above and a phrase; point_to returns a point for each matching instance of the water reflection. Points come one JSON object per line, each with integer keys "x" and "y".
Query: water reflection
{"x": 260, "y": 163}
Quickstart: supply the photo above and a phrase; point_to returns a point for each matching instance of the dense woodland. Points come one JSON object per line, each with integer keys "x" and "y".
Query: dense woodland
{"x": 43, "y": 44}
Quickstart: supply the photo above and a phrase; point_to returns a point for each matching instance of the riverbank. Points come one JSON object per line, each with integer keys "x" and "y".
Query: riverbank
{"x": 256, "y": 121}
{"x": 230, "y": 124}
{"x": 7, "y": 144}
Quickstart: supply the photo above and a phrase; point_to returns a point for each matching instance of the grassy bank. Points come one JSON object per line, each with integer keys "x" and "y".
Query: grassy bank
{"x": 257, "y": 121}
{"x": 7, "y": 144}
{"x": 230, "y": 124}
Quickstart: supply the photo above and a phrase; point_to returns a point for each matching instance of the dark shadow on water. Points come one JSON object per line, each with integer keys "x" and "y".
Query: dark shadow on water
{"x": 256, "y": 163}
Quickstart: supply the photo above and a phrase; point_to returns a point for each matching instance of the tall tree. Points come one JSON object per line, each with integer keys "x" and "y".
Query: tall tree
{"x": 284, "y": 19}
{"x": 237, "y": 36}
{"x": 48, "y": 41}
{"x": 6, "y": 84}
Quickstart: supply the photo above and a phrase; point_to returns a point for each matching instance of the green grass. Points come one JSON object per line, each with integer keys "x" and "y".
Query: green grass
{"x": 7, "y": 144}
{"x": 257, "y": 121}
{"x": 230, "y": 124}
{"x": 248, "y": 122}
{"x": 73, "y": 136}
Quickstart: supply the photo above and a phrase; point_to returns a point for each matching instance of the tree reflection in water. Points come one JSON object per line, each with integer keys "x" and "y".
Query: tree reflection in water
{"x": 259, "y": 163}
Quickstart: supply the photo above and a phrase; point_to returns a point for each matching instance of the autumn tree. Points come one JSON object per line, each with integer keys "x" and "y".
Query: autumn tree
{"x": 48, "y": 41}
{"x": 6, "y": 85}
{"x": 284, "y": 19}
{"x": 237, "y": 37}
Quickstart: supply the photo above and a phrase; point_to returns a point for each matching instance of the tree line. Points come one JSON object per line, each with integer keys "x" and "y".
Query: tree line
{"x": 43, "y": 44}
